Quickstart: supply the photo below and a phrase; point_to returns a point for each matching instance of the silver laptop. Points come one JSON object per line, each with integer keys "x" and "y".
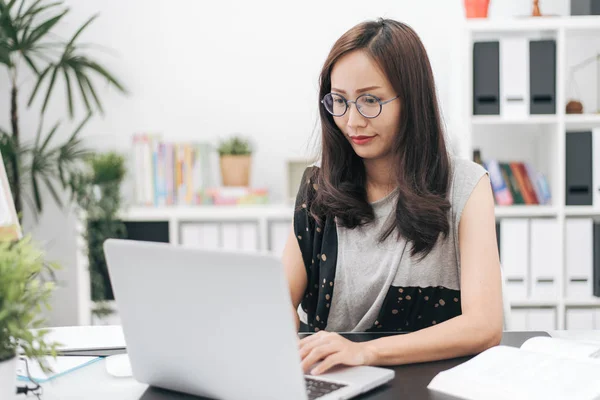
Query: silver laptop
{"x": 217, "y": 324}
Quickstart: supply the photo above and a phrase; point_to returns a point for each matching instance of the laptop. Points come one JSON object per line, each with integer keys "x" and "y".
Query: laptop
{"x": 217, "y": 324}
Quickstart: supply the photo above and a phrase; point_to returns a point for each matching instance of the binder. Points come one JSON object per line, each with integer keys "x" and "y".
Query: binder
{"x": 579, "y": 257}
{"x": 579, "y": 168}
{"x": 542, "y": 77}
{"x": 585, "y": 7}
{"x": 580, "y": 319}
{"x": 514, "y": 250}
{"x": 229, "y": 236}
{"x": 486, "y": 78}
{"x": 519, "y": 319}
{"x": 204, "y": 235}
{"x": 541, "y": 319}
{"x": 596, "y": 167}
{"x": 545, "y": 258}
{"x": 596, "y": 273}
{"x": 248, "y": 236}
{"x": 514, "y": 77}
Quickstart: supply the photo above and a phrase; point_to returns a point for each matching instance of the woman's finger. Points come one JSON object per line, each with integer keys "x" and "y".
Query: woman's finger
{"x": 327, "y": 364}
{"x": 317, "y": 354}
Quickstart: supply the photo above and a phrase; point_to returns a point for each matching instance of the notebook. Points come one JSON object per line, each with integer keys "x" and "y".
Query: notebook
{"x": 542, "y": 368}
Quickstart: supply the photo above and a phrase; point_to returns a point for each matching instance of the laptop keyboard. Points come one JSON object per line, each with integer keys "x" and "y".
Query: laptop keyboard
{"x": 316, "y": 388}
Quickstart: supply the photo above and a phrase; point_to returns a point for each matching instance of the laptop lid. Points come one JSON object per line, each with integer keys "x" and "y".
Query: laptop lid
{"x": 209, "y": 323}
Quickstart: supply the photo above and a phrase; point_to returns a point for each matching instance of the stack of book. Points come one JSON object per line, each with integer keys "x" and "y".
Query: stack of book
{"x": 178, "y": 174}
{"x": 516, "y": 183}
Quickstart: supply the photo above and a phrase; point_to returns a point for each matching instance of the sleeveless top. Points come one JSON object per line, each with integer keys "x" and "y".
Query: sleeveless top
{"x": 357, "y": 284}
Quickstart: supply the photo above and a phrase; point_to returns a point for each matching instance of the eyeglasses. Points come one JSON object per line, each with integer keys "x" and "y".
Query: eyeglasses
{"x": 368, "y": 106}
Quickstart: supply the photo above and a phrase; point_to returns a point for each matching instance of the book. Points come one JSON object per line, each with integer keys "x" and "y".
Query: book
{"x": 542, "y": 368}
{"x": 10, "y": 228}
{"x": 502, "y": 193}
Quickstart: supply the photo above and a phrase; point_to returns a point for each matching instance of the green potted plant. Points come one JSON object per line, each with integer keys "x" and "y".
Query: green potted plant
{"x": 235, "y": 156}
{"x": 97, "y": 191}
{"x": 23, "y": 293}
{"x": 31, "y": 48}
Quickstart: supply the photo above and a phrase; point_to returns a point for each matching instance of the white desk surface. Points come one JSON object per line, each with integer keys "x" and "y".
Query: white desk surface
{"x": 94, "y": 383}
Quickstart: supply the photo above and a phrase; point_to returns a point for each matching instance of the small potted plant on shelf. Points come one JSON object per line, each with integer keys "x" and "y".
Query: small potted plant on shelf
{"x": 23, "y": 293}
{"x": 235, "y": 156}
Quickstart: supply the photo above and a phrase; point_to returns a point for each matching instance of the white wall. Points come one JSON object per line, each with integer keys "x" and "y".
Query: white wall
{"x": 201, "y": 70}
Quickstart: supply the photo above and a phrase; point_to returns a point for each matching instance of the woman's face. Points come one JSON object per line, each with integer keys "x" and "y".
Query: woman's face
{"x": 371, "y": 138}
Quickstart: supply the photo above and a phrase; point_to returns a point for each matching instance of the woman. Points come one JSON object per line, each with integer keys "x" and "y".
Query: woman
{"x": 390, "y": 232}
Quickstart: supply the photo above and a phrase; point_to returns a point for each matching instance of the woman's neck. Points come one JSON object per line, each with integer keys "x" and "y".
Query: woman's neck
{"x": 381, "y": 178}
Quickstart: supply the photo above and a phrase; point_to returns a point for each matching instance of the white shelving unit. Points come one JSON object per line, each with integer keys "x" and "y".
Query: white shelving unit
{"x": 266, "y": 227}
{"x": 541, "y": 140}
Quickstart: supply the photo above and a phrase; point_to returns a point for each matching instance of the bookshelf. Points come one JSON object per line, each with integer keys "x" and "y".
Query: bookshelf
{"x": 540, "y": 136}
{"x": 541, "y": 140}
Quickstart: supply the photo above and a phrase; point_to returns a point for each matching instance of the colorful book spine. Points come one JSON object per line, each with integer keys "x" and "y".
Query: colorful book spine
{"x": 502, "y": 193}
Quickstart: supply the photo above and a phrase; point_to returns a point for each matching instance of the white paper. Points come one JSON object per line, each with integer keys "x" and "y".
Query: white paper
{"x": 88, "y": 338}
{"x": 504, "y": 372}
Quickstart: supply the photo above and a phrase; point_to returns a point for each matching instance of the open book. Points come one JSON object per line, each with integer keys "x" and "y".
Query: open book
{"x": 543, "y": 368}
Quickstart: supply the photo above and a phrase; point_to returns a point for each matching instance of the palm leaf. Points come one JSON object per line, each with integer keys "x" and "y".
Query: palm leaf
{"x": 80, "y": 127}
{"x": 93, "y": 92}
{"x": 36, "y": 193}
{"x": 41, "y": 30}
{"x": 49, "y": 137}
{"x": 31, "y": 64}
{"x": 69, "y": 92}
{"x": 52, "y": 190}
{"x": 102, "y": 71}
{"x": 81, "y": 83}
{"x": 39, "y": 84}
{"x": 50, "y": 87}
{"x": 76, "y": 35}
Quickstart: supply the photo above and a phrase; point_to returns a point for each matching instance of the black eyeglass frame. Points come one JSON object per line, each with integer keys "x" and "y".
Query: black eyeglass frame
{"x": 348, "y": 102}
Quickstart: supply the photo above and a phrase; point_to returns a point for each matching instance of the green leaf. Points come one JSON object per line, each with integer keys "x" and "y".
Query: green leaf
{"x": 93, "y": 92}
{"x": 31, "y": 64}
{"x": 36, "y": 193}
{"x": 80, "y": 127}
{"x": 50, "y": 187}
{"x": 42, "y": 29}
{"x": 102, "y": 71}
{"x": 50, "y": 87}
{"x": 69, "y": 92}
{"x": 81, "y": 82}
{"x": 49, "y": 137}
{"x": 38, "y": 84}
{"x": 76, "y": 35}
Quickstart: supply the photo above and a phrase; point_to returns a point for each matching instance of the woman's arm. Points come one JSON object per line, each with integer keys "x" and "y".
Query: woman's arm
{"x": 476, "y": 329}
{"x": 480, "y": 324}
{"x": 295, "y": 273}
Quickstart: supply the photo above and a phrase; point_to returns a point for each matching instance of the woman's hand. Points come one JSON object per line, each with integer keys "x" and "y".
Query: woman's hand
{"x": 332, "y": 349}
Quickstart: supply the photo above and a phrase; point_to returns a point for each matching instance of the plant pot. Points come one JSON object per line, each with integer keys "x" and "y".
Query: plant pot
{"x": 8, "y": 379}
{"x": 476, "y": 8}
{"x": 235, "y": 170}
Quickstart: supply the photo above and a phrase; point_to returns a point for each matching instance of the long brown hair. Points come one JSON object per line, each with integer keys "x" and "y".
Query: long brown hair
{"x": 420, "y": 153}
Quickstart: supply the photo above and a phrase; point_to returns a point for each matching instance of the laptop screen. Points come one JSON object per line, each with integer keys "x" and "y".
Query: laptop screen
{"x": 10, "y": 229}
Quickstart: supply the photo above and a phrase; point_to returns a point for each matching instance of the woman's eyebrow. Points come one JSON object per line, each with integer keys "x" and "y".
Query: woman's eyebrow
{"x": 358, "y": 91}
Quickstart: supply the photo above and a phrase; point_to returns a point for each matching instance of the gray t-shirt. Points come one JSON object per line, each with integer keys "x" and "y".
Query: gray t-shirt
{"x": 367, "y": 268}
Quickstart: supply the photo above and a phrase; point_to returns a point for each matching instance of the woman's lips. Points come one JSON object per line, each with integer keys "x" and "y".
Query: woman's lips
{"x": 360, "y": 140}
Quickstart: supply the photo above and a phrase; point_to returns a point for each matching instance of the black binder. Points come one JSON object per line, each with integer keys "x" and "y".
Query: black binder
{"x": 579, "y": 169}
{"x": 486, "y": 78}
{"x": 542, "y": 77}
{"x": 585, "y": 7}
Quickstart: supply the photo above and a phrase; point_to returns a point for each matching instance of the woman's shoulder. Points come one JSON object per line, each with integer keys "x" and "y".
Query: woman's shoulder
{"x": 466, "y": 174}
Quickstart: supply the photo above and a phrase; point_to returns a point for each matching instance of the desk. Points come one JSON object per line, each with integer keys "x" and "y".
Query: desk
{"x": 94, "y": 383}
